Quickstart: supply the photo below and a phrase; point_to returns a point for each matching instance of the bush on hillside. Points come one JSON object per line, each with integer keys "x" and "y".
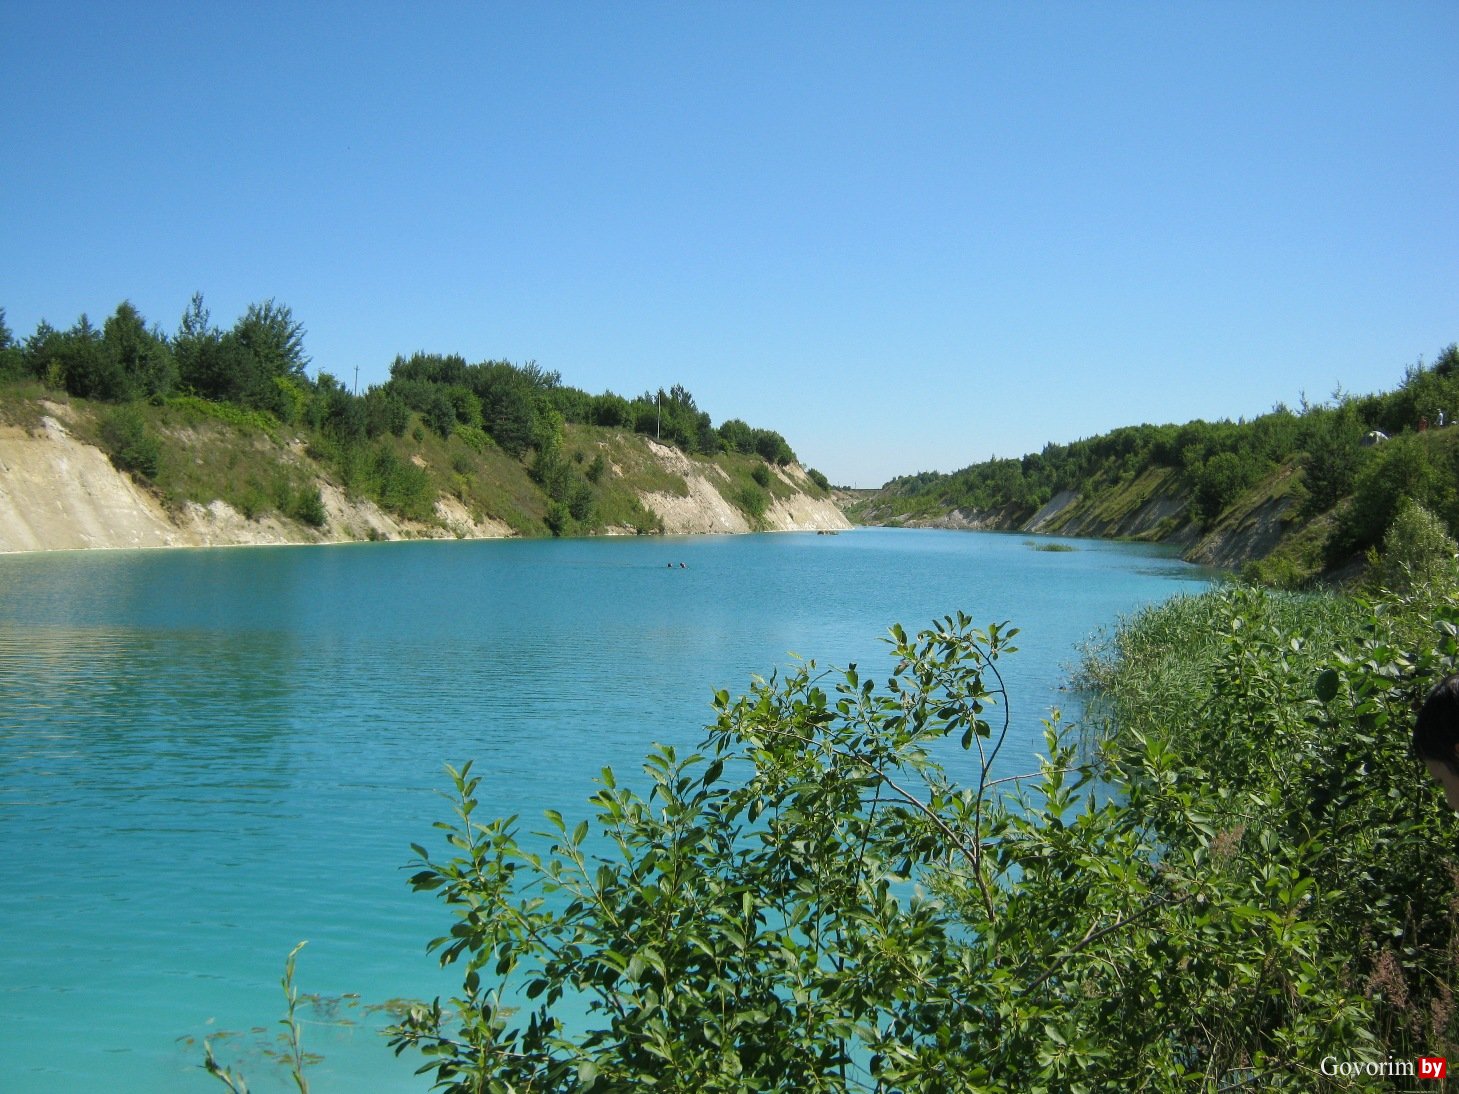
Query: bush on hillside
{"x": 131, "y": 445}
{"x": 307, "y": 507}
{"x": 1417, "y": 550}
{"x": 1401, "y": 469}
{"x": 753, "y": 502}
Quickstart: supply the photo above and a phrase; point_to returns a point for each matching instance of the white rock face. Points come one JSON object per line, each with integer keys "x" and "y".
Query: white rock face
{"x": 58, "y": 494}
{"x": 705, "y": 509}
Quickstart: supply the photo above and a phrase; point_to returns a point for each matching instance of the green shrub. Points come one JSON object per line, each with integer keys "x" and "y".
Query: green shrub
{"x": 229, "y": 413}
{"x": 253, "y": 502}
{"x": 1400, "y": 468}
{"x": 131, "y": 445}
{"x": 558, "y": 518}
{"x": 399, "y": 485}
{"x": 1417, "y": 550}
{"x": 1302, "y": 707}
{"x": 753, "y": 502}
{"x": 761, "y": 474}
{"x": 1219, "y": 481}
{"x": 1277, "y": 572}
{"x": 292, "y": 398}
{"x": 307, "y": 507}
{"x": 474, "y": 437}
{"x": 580, "y": 502}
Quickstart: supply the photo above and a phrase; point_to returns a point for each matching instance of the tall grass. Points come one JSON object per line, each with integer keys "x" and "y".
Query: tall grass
{"x": 1288, "y": 716}
{"x": 1157, "y": 669}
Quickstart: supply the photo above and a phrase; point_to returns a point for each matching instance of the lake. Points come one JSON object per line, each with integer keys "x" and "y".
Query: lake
{"x": 207, "y": 756}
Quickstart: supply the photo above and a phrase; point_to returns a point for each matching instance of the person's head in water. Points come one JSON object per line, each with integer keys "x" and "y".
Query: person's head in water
{"x": 1436, "y": 736}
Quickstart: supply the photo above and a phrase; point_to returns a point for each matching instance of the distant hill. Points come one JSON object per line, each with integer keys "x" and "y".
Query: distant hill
{"x": 1289, "y": 495}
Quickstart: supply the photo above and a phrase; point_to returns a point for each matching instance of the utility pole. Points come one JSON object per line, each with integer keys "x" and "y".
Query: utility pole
{"x": 357, "y": 379}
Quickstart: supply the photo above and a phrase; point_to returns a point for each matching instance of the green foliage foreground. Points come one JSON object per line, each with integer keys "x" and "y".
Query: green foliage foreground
{"x": 1247, "y": 884}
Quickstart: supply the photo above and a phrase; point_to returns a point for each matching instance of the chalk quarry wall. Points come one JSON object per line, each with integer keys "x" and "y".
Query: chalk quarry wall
{"x": 58, "y": 493}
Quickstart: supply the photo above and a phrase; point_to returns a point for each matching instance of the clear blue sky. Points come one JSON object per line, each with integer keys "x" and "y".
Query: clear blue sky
{"x": 908, "y": 236}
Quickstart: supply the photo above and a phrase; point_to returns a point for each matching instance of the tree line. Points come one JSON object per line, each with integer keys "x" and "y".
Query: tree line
{"x": 517, "y": 404}
{"x": 260, "y": 363}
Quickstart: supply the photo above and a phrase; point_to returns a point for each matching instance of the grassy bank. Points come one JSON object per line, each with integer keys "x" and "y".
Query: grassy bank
{"x": 1264, "y": 737}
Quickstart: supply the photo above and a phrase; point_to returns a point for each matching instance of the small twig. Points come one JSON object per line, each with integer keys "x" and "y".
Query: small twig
{"x": 1090, "y": 939}
{"x": 1033, "y": 775}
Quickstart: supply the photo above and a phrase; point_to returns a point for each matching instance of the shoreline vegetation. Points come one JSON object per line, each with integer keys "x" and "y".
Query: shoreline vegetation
{"x": 1289, "y": 498}
{"x": 1243, "y": 879}
{"x": 126, "y": 436}
{"x": 1232, "y": 876}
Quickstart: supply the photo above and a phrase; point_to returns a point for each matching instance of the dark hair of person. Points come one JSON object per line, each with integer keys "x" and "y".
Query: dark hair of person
{"x": 1436, "y": 732}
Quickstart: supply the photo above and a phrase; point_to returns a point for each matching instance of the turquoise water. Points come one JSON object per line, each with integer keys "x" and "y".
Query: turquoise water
{"x": 207, "y": 756}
